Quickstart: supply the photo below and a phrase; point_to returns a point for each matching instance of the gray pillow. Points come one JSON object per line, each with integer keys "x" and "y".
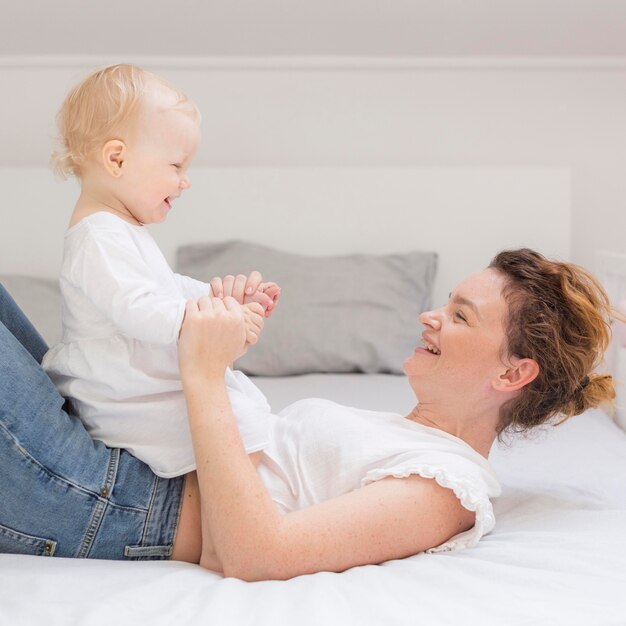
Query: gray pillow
{"x": 354, "y": 313}
{"x": 40, "y": 299}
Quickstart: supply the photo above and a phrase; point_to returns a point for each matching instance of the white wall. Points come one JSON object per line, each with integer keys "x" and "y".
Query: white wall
{"x": 374, "y": 114}
{"x": 456, "y": 212}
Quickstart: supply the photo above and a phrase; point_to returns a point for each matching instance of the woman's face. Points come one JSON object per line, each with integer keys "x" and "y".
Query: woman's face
{"x": 463, "y": 340}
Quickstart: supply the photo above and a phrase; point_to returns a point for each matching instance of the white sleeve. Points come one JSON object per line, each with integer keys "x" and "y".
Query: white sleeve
{"x": 111, "y": 273}
{"x": 192, "y": 289}
{"x": 251, "y": 410}
{"x": 471, "y": 484}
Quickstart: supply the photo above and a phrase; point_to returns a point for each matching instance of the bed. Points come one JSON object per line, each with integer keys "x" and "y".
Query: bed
{"x": 557, "y": 555}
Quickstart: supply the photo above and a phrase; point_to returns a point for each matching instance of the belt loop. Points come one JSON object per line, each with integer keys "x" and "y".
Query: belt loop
{"x": 111, "y": 474}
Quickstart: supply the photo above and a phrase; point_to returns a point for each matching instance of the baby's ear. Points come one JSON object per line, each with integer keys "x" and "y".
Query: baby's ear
{"x": 113, "y": 156}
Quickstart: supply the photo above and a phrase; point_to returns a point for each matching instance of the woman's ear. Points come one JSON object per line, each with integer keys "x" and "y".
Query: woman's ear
{"x": 519, "y": 373}
{"x": 113, "y": 156}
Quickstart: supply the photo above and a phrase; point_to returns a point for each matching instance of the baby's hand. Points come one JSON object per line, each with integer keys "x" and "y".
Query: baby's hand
{"x": 265, "y": 291}
{"x": 253, "y": 321}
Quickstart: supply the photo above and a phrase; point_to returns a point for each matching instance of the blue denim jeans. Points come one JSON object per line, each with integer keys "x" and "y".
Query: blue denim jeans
{"x": 61, "y": 492}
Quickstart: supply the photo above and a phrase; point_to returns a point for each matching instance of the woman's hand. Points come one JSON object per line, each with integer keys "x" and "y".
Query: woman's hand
{"x": 247, "y": 290}
{"x": 238, "y": 286}
{"x": 212, "y": 336}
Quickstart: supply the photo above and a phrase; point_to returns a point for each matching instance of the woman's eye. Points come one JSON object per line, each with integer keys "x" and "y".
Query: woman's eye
{"x": 460, "y": 316}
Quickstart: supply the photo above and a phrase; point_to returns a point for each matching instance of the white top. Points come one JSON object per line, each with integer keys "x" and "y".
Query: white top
{"x": 319, "y": 450}
{"x": 122, "y": 312}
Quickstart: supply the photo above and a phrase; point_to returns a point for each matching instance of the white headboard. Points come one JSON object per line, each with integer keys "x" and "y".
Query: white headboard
{"x": 464, "y": 214}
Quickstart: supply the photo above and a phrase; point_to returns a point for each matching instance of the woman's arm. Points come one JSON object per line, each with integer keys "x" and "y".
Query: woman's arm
{"x": 392, "y": 518}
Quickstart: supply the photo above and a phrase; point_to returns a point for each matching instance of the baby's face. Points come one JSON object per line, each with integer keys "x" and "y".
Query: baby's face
{"x": 156, "y": 161}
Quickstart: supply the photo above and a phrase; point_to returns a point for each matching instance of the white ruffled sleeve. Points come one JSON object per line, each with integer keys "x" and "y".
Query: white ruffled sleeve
{"x": 472, "y": 481}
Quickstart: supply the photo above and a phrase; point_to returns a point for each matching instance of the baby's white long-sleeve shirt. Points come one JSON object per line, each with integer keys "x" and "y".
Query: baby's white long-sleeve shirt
{"x": 123, "y": 307}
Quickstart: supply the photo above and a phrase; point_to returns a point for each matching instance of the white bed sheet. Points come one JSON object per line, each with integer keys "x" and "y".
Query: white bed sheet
{"x": 556, "y": 557}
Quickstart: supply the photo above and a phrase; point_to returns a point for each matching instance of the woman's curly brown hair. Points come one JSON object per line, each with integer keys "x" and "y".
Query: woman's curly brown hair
{"x": 559, "y": 316}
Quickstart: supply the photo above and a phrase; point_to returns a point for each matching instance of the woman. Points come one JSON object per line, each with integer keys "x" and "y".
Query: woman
{"x": 513, "y": 348}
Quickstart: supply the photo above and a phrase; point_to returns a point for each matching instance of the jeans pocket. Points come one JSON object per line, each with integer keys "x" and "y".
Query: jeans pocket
{"x": 147, "y": 552}
{"x": 15, "y": 542}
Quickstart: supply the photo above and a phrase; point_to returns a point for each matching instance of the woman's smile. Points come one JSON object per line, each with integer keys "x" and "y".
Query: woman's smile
{"x": 430, "y": 345}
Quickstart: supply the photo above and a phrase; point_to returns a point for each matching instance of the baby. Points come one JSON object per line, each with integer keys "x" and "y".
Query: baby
{"x": 129, "y": 137}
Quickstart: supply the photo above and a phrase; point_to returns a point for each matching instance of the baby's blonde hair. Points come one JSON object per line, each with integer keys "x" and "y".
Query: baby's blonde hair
{"x": 101, "y": 106}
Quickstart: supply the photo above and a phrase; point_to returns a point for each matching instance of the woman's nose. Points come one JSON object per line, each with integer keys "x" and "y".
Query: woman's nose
{"x": 431, "y": 318}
